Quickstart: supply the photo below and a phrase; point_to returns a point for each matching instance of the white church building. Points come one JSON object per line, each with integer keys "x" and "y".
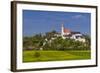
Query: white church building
{"x": 66, "y": 33}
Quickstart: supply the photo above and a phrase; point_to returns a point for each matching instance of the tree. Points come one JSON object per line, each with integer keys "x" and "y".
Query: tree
{"x": 51, "y": 34}
{"x": 88, "y": 41}
{"x": 27, "y": 43}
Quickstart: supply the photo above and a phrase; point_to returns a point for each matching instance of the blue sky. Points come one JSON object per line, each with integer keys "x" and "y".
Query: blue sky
{"x": 35, "y": 22}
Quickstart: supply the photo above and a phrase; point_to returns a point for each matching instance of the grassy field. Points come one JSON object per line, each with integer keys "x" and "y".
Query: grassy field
{"x": 38, "y": 56}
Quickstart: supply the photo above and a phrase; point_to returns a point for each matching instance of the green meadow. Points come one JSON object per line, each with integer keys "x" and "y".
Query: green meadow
{"x": 40, "y": 56}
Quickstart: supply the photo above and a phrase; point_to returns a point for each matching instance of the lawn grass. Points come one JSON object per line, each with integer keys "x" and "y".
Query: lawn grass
{"x": 38, "y": 56}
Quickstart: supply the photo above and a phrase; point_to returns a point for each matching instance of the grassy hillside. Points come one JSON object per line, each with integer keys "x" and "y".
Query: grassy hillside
{"x": 38, "y": 56}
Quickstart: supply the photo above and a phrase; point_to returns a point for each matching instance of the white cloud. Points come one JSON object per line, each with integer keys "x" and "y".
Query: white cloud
{"x": 77, "y": 16}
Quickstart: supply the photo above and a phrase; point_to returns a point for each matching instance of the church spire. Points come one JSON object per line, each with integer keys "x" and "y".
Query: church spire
{"x": 62, "y": 30}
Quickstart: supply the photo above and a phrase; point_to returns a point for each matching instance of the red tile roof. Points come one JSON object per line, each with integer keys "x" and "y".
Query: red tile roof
{"x": 67, "y": 31}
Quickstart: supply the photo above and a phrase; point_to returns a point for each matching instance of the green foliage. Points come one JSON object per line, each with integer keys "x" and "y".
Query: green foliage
{"x": 36, "y": 42}
{"x": 49, "y": 35}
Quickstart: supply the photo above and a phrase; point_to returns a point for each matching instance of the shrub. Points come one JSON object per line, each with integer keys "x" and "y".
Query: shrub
{"x": 36, "y": 54}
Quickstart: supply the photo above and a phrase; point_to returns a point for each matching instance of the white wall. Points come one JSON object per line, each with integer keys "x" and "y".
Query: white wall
{"x": 5, "y": 37}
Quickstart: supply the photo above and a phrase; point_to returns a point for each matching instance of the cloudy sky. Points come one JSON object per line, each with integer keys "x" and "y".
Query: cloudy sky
{"x": 44, "y": 21}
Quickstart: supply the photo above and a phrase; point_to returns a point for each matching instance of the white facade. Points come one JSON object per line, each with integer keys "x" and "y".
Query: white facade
{"x": 77, "y": 36}
{"x": 62, "y": 32}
